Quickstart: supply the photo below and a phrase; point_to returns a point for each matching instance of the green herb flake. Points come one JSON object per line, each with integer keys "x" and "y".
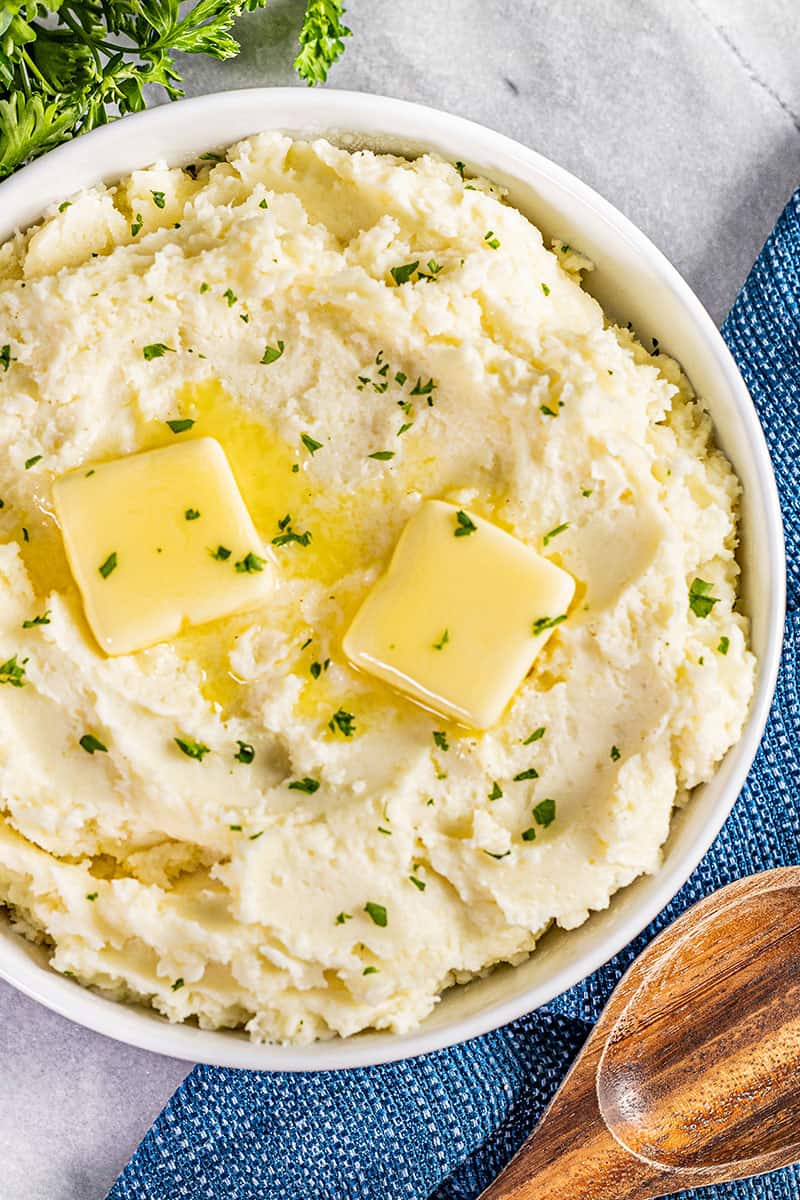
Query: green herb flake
{"x": 31, "y": 462}
{"x": 529, "y": 835}
{"x": 419, "y": 884}
{"x": 246, "y": 753}
{"x": 136, "y": 225}
{"x": 44, "y": 619}
{"x": 230, "y": 296}
{"x": 263, "y": 203}
{"x": 545, "y": 812}
{"x": 345, "y": 722}
{"x": 109, "y": 565}
{"x": 64, "y": 205}
{"x": 306, "y": 784}
{"x": 536, "y": 736}
{"x": 159, "y": 199}
{"x": 496, "y": 792}
{"x": 724, "y": 645}
{"x": 272, "y": 353}
{"x": 342, "y": 917}
{"x": 543, "y": 623}
{"x": 548, "y": 537}
{"x": 404, "y": 428}
{"x": 547, "y": 411}
{"x": 491, "y": 240}
{"x": 192, "y": 514}
{"x": 253, "y": 837}
{"x": 250, "y": 564}
{"x": 90, "y": 743}
{"x": 382, "y": 455}
{"x": 402, "y": 274}
{"x": 545, "y": 289}
{"x": 459, "y": 166}
{"x": 177, "y": 985}
{"x": 530, "y": 773}
{"x": 505, "y": 854}
{"x": 385, "y": 832}
{"x": 370, "y": 971}
{"x": 400, "y": 377}
{"x": 221, "y": 554}
{"x": 91, "y": 895}
{"x": 586, "y": 492}
{"x": 205, "y": 287}
{"x": 191, "y": 749}
{"x": 377, "y": 912}
{"x": 464, "y": 525}
{"x": 615, "y": 754}
{"x": 443, "y": 640}
{"x": 5, "y": 357}
{"x": 13, "y": 672}
{"x": 700, "y": 600}
{"x": 235, "y": 828}
{"x": 288, "y": 535}
{"x": 440, "y": 739}
{"x": 310, "y": 444}
{"x": 423, "y": 389}
{"x": 157, "y": 350}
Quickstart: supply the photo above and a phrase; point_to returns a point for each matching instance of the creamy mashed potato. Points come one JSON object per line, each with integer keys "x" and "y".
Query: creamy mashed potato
{"x": 213, "y": 888}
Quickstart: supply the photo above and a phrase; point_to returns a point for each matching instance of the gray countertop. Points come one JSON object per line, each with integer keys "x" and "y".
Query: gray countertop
{"x": 686, "y": 115}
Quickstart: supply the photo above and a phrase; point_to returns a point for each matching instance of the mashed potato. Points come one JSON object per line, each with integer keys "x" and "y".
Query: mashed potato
{"x": 214, "y": 889}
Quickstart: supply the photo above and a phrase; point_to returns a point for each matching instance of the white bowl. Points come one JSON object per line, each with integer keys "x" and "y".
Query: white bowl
{"x": 633, "y": 282}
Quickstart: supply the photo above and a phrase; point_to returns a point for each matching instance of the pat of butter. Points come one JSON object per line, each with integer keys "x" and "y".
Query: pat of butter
{"x": 160, "y": 540}
{"x": 460, "y": 615}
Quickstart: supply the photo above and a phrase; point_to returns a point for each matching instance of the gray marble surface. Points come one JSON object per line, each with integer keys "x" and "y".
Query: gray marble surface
{"x": 683, "y": 113}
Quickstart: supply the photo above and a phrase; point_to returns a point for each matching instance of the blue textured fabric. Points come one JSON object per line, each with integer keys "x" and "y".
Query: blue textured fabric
{"x": 442, "y": 1126}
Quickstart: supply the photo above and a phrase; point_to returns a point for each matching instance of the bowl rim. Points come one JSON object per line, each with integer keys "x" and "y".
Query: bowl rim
{"x": 102, "y": 154}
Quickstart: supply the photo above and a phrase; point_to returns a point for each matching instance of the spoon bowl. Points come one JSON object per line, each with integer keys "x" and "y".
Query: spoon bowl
{"x": 692, "y": 1074}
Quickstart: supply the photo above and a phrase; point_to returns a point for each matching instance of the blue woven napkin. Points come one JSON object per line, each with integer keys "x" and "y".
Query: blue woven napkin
{"x": 443, "y": 1126}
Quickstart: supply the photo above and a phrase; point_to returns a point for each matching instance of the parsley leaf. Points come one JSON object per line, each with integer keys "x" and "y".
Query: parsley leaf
{"x": 382, "y": 455}
{"x": 464, "y": 525}
{"x": 250, "y": 564}
{"x": 345, "y": 722}
{"x": 221, "y": 553}
{"x": 700, "y": 601}
{"x": 443, "y": 641}
{"x": 90, "y": 743}
{"x": 402, "y": 274}
{"x": 377, "y": 912}
{"x": 181, "y": 425}
{"x": 548, "y": 537}
{"x": 31, "y": 462}
{"x": 306, "y": 784}
{"x": 545, "y": 812}
{"x": 192, "y": 749}
{"x": 491, "y": 240}
{"x": 156, "y": 350}
{"x": 536, "y": 736}
{"x": 159, "y": 199}
{"x": 722, "y": 648}
{"x": 531, "y": 773}
{"x": 246, "y": 753}
{"x": 615, "y": 754}
{"x": 192, "y": 514}
{"x": 271, "y": 354}
{"x": 109, "y": 565}
{"x": 440, "y": 739}
{"x": 543, "y": 623}
{"x": 321, "y": 40}
{"x": 310, "y": 444}
{"x": 44, "y": 619}
{"x": 12, "y": 672}
{"x": 496, "y": 791}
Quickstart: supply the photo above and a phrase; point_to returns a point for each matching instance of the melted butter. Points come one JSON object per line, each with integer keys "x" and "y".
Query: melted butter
{"x": 43, "y": 554}
{"x": 209, "y": 648}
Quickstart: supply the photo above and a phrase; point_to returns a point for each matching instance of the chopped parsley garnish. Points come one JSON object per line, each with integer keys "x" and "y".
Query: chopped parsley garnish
{"x": 31, "y": 462}
{"x": 306, "y": 784}
{"x": 5, "y": 356}
{"x": 310, "y": 444}
{"x": 402, "y": 274}
{"x": 547, "y": 411}
{"x": 91, "y": 895}
{"x": 230, "y": 296}
{"x": 529, "y": 835}
{"x": 400, "y": 377}
{"x": 496, "y": 791}
{"x": 307, "y": 642}
{"x": 377, "y": 912}
{"x": 263, "y": 203}
{"x": 253, "y": 837}
{"x": 287, "y": 534}
{"x": 192, "y": 749}
{"x": 724, "y": 645}
{"x": 64, "y": 205}
{"x": 44, "y": 619}
{"x": 419, "y": 884}
{"x": 177, "y": 985}
{"x": 423, "y": 389}
{"x": 615, "y": 754}
{"x": 586, "y": 492}
{"x": 136, "y": 225}
{"x": 235, "y": 828}
{"x": 543, "y": 623}
{"x": 545, "y": 812}
{"x": 342, "y": 917}
{"x": 250, "y": 564}
{"x": 548, "y": 537}
{"x": 505, "y": 854}
{"x": 443, "y": 640}
{"x": 192, "y": 514}
{"x": 385, "y": 832}
{"x": 432, "y": 272}
{"x": 491, "y": 240}
{"x": 205, "y": 287}
{"x": 440, "y": 739}
{"x": 546, "y": 291}
{"x": 159, "y": 199}
{"x": 464, "y": 525}
{"x": 181, "y": 425}
{"x": 12, "y": 672}
{"x": 459, "y": 166}
{"x": 536, "y": 736}
{"x": 531, "y": 773}
{"x": 156, "y": 350}
{"x": 26, "y": 537}
{"x": 246, "y": 753}
{"x": 90, "y": 743}
{"x": 345, "y": 722}
{"x": 109, "y": 565}
{"x": 272, "y": 353}
{"x": 382, "y": 455}
{"x": 210, "y": 156}
{"x": 404, "y": 428}
{"x": 700, "y": 601}
{"x": 370, "y": 971}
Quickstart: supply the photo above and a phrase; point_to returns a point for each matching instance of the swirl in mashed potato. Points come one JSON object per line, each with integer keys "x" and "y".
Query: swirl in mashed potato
{"x": 211, "y": 888}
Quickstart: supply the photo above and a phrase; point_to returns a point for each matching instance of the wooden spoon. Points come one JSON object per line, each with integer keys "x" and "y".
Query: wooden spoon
{"x": 692, "y": 1074}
